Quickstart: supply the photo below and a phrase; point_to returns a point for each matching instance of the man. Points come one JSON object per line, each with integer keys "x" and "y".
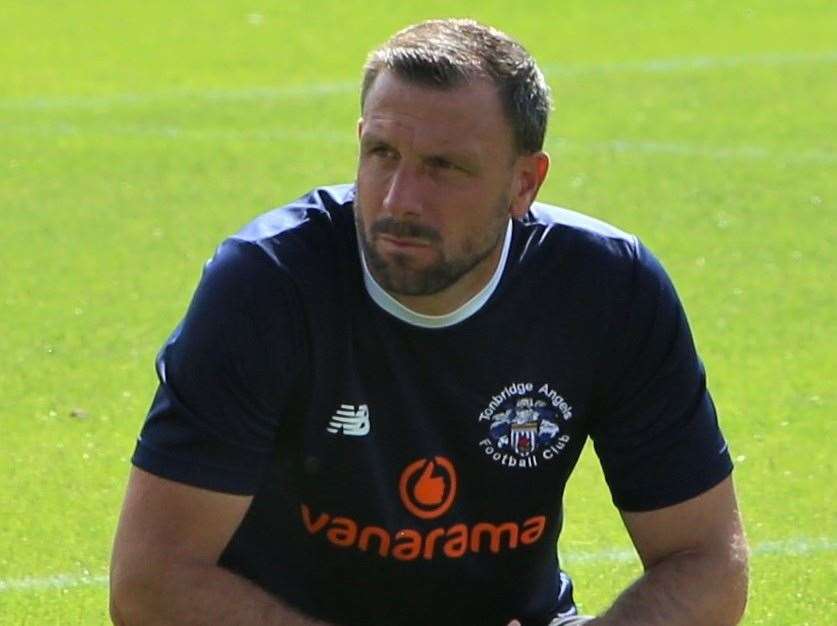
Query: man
{"x": 372, "y": 406}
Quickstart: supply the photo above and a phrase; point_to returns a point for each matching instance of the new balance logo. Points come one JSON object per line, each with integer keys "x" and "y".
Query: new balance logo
{"x": 350, "y": 421}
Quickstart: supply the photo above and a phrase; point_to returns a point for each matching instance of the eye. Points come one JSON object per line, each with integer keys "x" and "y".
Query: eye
{"x": 441, "y": 163}
{"x": 382, "y": 151}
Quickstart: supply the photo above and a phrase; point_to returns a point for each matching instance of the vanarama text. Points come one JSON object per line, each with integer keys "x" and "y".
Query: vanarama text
{"x": 409, "y": 544}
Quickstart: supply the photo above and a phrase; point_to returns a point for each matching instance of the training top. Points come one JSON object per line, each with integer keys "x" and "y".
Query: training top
{"x": 409, "y": 469}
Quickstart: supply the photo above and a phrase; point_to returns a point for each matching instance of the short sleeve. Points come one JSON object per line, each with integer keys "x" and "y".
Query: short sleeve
{"x": 226, "y": 375}
{"x": 655, "y": 427}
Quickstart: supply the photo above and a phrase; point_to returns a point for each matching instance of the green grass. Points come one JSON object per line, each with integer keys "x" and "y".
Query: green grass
{"x": 135, "y": 136}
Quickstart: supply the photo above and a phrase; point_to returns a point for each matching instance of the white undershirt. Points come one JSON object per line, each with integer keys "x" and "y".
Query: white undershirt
{"x": 395, "y": 308}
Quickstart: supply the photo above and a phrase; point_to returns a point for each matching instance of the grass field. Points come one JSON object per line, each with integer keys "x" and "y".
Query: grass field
{"x": 134, "y": 136}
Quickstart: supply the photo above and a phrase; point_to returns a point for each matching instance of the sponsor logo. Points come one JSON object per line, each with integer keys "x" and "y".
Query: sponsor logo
{"x": 351, "y": 421}
{"x": 525, "y": 425}
{"x": 427, "y": 488}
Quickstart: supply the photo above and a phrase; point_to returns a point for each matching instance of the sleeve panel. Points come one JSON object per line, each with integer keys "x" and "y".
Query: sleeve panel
{"x": 655, "y": 430}
{"x": 226, "y": 375}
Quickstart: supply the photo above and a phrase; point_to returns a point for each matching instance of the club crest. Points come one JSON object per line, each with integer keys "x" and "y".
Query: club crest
{"x": 526, "y": 425}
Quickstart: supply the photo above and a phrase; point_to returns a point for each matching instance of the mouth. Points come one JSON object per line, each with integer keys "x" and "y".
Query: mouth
{"x": 404, "y": 243}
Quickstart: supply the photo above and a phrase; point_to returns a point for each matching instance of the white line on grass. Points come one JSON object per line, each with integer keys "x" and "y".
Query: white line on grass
{"x": 647, "y": 66}
{"x": 679, "y": 149}
{"x": 788, "y": 548}
{"x": 175, "y": 133}
{"x": 58, "y": 581}
{"x": 250, "y": 94}
{"x": 556, "y": 144}
{"x": 685, "y": 64}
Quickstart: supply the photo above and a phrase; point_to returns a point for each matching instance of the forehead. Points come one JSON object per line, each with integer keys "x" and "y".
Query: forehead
{"x": 469, "y": 115}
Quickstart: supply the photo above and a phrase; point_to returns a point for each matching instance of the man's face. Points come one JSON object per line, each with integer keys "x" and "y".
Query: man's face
{"x": 435, "y": 184}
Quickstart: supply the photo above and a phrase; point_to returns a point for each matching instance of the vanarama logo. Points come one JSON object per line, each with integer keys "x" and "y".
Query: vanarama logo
{"x": 525, "y": 425}
{"x": 425, "y": 494}
{"x": 427, "y": 488}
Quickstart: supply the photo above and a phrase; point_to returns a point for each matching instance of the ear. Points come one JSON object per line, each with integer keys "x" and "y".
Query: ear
{"x": 530, "y": 171}
{"x": 359, "y": 127}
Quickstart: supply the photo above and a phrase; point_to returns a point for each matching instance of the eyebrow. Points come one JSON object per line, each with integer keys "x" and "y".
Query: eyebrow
{"x": 467, "y": 157}
{"x": 367, "y": 138}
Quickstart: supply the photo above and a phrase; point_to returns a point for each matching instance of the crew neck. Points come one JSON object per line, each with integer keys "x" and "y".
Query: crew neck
{"x": 392, "y": 306}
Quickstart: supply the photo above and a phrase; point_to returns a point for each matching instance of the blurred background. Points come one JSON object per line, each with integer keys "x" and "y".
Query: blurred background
{"x": 135, "y": 136}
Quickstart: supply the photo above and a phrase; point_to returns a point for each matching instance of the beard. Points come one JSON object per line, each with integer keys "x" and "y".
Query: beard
{"x": 397, "y": 273}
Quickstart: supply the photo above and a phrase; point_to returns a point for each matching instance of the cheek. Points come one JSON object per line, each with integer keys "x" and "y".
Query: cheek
{"x": 367, "y": 200}
{"x": 374, "y": 176}
{"x": 474, "y": 233}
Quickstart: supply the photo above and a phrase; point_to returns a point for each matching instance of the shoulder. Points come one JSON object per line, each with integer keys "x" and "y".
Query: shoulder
{"x": 562, "y": 242}
{"x": 311, "y": 219}
{"x": 279, "y": 248}
{"x": 303, "y": 241}
{"x": 549, "y": 215}
{"x": 573, "y": 232}
{"x": 597, "y": 261}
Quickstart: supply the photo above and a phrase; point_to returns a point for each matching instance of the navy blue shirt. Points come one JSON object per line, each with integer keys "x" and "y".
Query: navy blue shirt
{"x": 408, "y": 470}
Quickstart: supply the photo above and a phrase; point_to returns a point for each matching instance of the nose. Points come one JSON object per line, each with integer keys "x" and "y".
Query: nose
{"x": 404, "y": 198}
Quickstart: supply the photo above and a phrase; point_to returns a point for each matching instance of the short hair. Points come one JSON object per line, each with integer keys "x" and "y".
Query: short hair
{"x": 453, "y": 52}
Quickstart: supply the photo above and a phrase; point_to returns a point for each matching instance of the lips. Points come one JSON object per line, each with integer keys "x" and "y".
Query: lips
{"x": 403, "y": 242}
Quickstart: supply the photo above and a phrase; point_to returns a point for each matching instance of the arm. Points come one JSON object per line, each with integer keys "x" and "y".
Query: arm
{"x": 164, "y": 565}
{"x": 695, "y": 559}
